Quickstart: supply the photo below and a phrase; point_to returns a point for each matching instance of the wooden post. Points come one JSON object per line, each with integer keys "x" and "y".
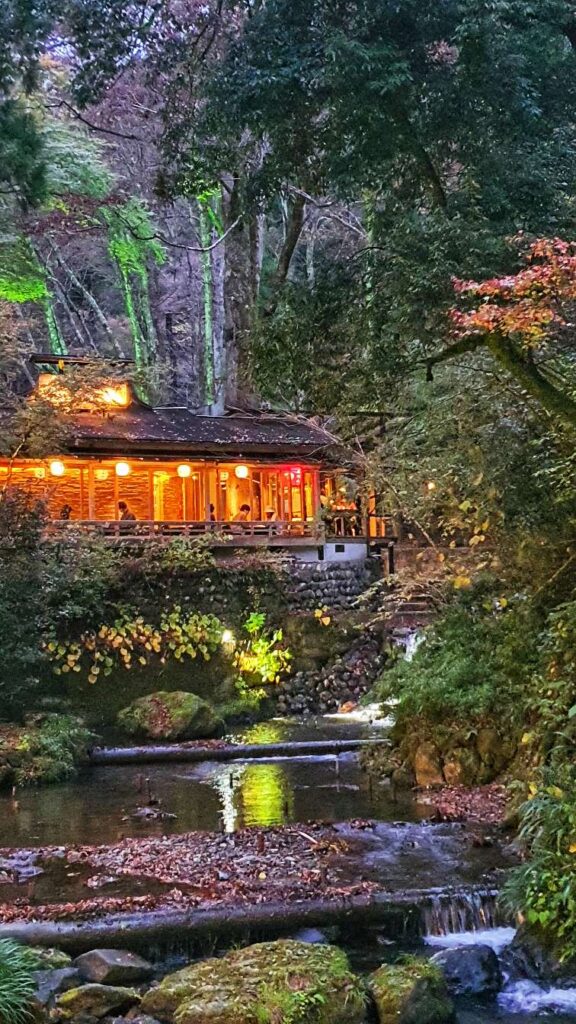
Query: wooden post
{"x": 91, "y": 493}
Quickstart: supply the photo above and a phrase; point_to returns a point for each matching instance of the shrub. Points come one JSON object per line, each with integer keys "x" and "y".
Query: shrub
{"x": 129, "y": 641}
{"x": 473, "y": 664}
{"x": 17, "y": 985}
{"x": 261, "y": 658}
{"x": 53, "y": 747}
{"x": 543, "y": 889}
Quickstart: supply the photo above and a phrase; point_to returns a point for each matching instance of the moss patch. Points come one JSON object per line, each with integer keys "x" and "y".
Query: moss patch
{"x": 412, "y": 992}
{"x": 47, "y": 748}
{"x": 284, "y": 982}
{"x": 169, "y": 715}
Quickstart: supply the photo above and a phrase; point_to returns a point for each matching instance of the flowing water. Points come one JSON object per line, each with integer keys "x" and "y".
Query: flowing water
{"x": 402, "y": 850}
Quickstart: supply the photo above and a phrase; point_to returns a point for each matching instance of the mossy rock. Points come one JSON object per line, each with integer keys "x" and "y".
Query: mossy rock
{"x": 283, "y": 982}
{"x": 166, "y": 715}
{"x": 95, "y": 1001}
{"x": 51, "y": 959}
{"x": 412, "y": 992}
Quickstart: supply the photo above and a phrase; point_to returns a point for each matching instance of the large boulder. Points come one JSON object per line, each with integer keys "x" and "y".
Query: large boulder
{"x": 95, "y": 1001}
{"x": 166, "y": 715}
{"x": 470, "y": 970}
{"x": 269, "y": 983}
{"x": 428, "y": 765}
{"x": 113, "y": 967}
{"x": 411, "y": 992}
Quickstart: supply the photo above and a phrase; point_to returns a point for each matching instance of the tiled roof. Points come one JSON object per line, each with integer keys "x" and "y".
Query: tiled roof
{"x": 164, "y": 430}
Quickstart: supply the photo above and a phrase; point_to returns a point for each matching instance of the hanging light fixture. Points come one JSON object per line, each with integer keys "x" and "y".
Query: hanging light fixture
{"x": 57, "y": 467}
{"x": 242, "y": 472}
{"x": 123, "y": 469}
{"x": 183, "y": 471}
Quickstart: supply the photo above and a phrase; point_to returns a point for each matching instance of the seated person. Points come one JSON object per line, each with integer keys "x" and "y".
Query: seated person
{"x": 65, "y": 512}
{"x": 126, "y": 514}
{"x": 241, "y": 517}
{"x": 270, "y": 514}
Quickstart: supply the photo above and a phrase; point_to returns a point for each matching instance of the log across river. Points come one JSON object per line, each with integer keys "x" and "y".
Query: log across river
{"x": 150, "y": 753}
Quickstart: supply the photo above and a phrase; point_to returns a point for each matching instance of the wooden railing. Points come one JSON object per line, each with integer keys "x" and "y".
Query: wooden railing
{"x": 343, "y": 525}
{"x": 227, "y": 533}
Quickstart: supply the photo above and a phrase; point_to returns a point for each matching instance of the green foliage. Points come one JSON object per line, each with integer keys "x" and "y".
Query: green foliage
{"x": 131, "y": 244}
{"x": 182, "y": 554}
{"x": 17, "y": 984}
{"x": 551, "y": 694}
{"x": 261, "y": 659}
{"x": 52, "y": 749}
{"x": 543, "y": 889}
{"x": 472, "y": 666}
{"x": 21, "y": 608}
{"x": 129, "y": 642}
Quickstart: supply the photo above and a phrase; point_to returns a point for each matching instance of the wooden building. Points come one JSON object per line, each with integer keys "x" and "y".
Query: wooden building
{"x": 130, "y": 470}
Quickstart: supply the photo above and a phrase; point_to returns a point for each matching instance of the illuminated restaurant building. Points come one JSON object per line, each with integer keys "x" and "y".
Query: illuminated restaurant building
{"x": 130, "y": 470}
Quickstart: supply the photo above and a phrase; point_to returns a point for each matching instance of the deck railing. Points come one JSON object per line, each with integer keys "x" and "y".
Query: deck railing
{"x": 232, "y": 533}
{"x": 235, "y": 533}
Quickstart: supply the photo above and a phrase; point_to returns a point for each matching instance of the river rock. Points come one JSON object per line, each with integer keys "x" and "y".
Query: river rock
{"x": 470, "y": 970}
{"x": 95, "y": 1001}
{"x": 51, "y": 983}
{"x": 412, "y": 992}
{"x": 428, "y": 766}
{"x": 51, "y": 959}
{"x": 168, "y": 715}
{"x": 270, "y": 981}
{"x": 461, "y": 766}
{"x": 113, "y": 967}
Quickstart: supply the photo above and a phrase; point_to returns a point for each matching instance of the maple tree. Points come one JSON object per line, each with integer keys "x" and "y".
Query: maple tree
{"x": 524, "y": 320}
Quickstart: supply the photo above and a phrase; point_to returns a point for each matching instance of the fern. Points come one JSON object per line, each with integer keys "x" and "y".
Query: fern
{"x": 17, "y": 985}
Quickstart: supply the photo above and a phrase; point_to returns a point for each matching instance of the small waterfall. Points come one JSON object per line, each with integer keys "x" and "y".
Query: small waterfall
{"x": 413, "y": 641}
{"x": 450, "y": 914}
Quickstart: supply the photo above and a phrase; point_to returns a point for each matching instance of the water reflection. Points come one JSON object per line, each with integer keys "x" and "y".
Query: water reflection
{"x": 105, "y": 804}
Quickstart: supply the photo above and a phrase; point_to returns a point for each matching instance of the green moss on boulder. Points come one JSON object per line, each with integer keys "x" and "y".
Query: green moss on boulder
{"x": 283, "y": 982}
{"x": 95, "y": 1001}
{"x": 412, "y": 992}
{"x": 169, "y": 715}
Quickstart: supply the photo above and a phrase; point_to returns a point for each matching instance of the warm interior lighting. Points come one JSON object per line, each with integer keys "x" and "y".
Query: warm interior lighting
{"x": 295, "y": 474}
{"x": 242, "y": 472}
{"x": 224, "y": 474}
{"x": 183, "y": 471}
{"x": 116, "y": 396}
{"x": 101, "y": 474}
{"x": 57, "y": 468}
{"x": 82, "y": 398}
{"x": 123, "y": 469}
{"x": 39, "y": 472}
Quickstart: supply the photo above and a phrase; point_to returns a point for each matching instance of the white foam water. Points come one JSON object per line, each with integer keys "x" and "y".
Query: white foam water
{"x": 528, "y": 997}
{"x": 369, "y": 714}
{"x": 496, "y": 938}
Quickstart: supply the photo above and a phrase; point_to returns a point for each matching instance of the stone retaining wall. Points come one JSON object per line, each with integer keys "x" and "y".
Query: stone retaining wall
{"x": 346, "y": 679}
{"x": 334, "y": 585}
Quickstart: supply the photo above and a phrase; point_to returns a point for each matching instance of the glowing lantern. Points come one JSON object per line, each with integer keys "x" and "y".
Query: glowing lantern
{"x": 183, "y": 471}
{"x": 242, "y": 472}
{"x": 57, "y": 468}
{"x": 431, "y": 485}
{"x": 123, "y": 469}
{"x": 295, "y": 474}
